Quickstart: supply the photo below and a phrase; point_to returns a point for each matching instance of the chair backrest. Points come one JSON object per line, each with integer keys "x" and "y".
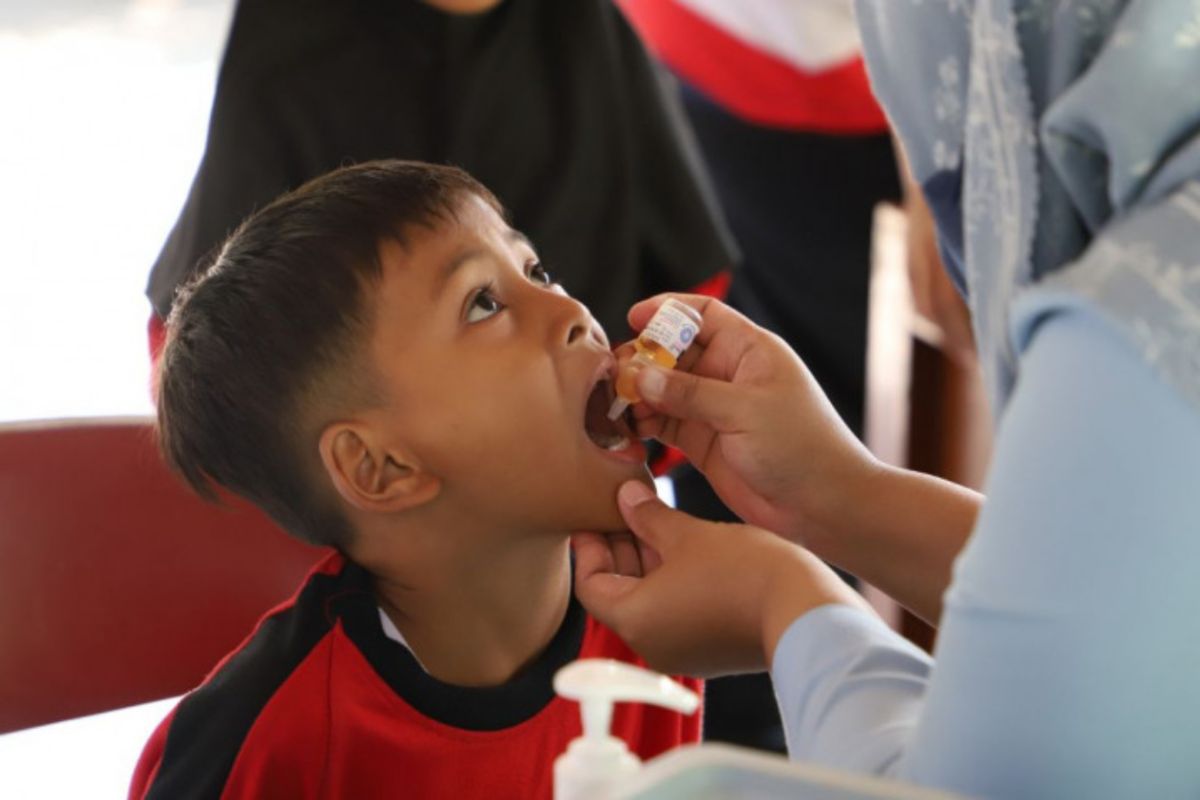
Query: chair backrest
{"x": 117, "y": 585}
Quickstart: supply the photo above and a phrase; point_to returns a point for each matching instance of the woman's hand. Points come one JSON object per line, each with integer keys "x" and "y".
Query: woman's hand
{"x": 696, "y": 597}
{"x": 748, "y": 414}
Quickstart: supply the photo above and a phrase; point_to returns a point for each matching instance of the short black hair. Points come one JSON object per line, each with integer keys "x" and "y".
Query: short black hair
{"x": 267, "y": 345}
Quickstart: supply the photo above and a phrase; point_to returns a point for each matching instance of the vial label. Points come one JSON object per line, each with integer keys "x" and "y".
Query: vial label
{"x": 671, "y": 328}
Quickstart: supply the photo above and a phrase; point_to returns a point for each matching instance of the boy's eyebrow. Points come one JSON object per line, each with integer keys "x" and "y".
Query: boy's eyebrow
{"x": 520, "y": 238}
{"x": 448, "y": 271}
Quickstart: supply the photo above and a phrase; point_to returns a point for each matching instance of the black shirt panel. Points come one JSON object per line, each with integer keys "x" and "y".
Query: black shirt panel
{"x": 212, "y": 722}
{"x": 467, "y": 708}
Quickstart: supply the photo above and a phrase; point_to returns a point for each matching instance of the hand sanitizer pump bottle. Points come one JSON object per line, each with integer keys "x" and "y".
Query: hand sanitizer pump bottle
{"x": 597, "y": 762}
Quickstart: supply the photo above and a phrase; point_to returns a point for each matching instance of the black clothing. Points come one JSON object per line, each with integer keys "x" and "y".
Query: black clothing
{"x": 551, "y": 104}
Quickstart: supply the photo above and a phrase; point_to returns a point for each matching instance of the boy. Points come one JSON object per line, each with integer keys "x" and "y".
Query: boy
{"x": 383, "y": 365}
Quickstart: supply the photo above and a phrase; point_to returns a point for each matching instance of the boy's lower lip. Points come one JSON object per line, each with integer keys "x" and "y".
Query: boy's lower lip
{"x": 634, "y": 452}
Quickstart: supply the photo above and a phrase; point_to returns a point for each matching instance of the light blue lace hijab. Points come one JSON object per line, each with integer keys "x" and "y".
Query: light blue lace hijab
{"x": 1058, "y": 142}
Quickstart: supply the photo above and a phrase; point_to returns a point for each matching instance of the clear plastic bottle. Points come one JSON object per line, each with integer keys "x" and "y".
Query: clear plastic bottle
{"x": 595, "y": 764}
{"x": 670, "y": 331}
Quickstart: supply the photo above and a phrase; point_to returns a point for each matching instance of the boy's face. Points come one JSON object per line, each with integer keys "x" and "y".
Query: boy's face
{"x": 488, "y": 367}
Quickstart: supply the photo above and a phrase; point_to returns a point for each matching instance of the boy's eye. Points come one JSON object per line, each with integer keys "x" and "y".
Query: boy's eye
{"x": 539, "y": 274}
{"x": 483, "y": 305}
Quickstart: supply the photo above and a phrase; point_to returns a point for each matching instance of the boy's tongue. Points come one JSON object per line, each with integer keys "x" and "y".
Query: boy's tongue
{"x": 606, "y": 433}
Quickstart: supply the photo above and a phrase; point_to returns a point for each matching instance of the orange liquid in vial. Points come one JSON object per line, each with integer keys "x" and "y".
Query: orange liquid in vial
{"x": 648, "y": 352}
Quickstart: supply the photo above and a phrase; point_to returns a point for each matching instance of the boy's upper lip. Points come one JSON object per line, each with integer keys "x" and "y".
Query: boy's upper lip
{"x": 606, "y": 367}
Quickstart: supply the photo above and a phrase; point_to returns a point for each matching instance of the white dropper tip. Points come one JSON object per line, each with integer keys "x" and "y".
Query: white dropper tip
{"x": 617, "y": 408}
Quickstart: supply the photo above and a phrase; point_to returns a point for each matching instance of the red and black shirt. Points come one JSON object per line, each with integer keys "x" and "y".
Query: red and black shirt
{"x": 320, "y": 702}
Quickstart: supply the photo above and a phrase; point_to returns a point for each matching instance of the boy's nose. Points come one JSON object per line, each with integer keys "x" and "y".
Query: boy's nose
{"x": 576, "y": 332}
{"x": 575, "y": 323}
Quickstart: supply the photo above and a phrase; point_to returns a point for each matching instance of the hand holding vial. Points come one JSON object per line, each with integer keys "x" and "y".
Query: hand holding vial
{"x": 668, "y": 333}
{"x": 746, "y": 412}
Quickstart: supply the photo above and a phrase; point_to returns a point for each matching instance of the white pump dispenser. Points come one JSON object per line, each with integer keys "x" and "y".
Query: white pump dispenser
{"x": 597, "y": 762}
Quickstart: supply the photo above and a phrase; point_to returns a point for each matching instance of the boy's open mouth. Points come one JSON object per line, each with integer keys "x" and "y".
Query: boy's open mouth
{"x": 606, "y": 433}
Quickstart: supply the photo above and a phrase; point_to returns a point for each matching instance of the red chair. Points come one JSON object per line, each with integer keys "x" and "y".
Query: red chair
{"x": 117, "y": 585}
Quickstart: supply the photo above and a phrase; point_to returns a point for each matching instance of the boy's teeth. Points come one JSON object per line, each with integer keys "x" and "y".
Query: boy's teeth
{"x": 617, "y": 444}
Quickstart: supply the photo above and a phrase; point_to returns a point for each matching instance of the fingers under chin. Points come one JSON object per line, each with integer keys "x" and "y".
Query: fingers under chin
{"x": 651, "y": 560}
{"x": 593, "y": 555}
{"x": 626, "y": 559}
{"x": 604, "y": 595}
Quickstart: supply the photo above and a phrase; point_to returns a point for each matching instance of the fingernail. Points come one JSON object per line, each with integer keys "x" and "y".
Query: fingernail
{"x": 634, "y": 493}
{"x": 652, "y": 383}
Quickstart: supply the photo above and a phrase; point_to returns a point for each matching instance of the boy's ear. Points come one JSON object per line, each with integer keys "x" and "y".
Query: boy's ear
{"x": 371, "y": 477}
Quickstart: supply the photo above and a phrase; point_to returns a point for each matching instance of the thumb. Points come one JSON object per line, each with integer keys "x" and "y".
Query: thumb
{"x": 652, "y": 520}
{"x": 683, "y": 395}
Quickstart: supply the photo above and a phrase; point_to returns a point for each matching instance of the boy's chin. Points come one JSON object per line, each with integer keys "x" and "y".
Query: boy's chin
{"x": 607, "y": 518}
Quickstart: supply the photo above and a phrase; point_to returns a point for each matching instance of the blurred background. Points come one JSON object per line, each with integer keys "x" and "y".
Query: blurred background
{"x": 105, "y": 108}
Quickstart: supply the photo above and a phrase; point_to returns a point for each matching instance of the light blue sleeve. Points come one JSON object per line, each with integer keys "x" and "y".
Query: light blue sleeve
{"x": 849, "y": 689}
{"x": 1068, "y": 658}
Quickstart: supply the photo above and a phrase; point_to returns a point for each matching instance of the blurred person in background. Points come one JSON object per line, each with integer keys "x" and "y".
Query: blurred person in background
{"x": 555, "y": 106}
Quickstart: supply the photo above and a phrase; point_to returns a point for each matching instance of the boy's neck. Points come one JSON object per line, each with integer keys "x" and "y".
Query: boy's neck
{"x": 480, "y": 621}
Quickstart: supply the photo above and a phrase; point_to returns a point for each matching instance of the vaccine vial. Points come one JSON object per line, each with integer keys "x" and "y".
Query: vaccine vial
{"x": 672, "y": 328}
